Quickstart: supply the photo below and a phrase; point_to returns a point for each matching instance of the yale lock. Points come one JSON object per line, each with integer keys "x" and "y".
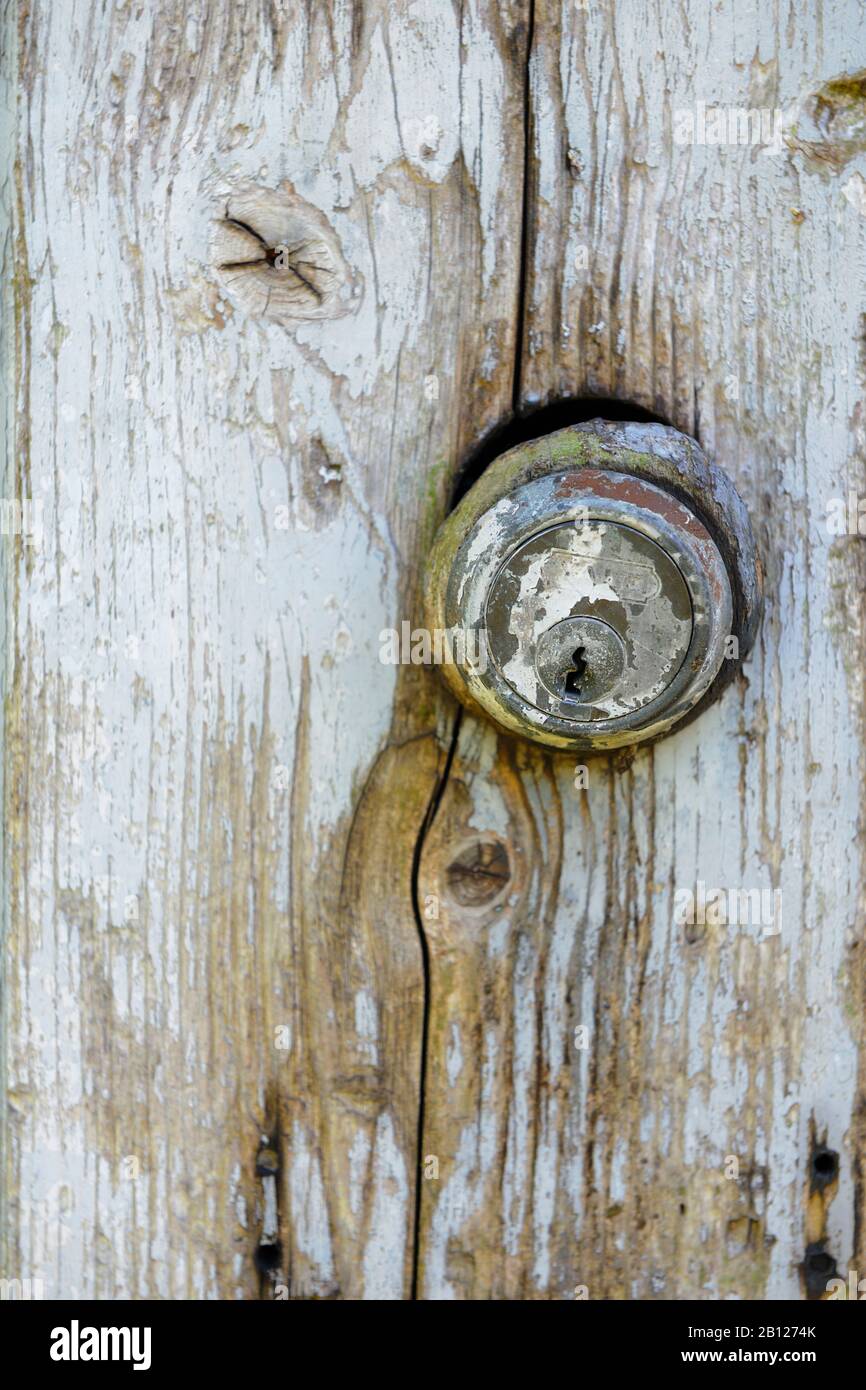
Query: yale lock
{"x": 608, "y": 572}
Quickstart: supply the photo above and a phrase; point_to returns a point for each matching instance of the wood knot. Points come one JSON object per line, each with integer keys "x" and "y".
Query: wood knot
{"x": 479, "y": 873}
{"x": 279, "y": 258}
{"x": 830, "y": 129}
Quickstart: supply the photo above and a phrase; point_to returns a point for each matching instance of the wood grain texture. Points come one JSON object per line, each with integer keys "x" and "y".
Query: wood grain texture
{"x": 213, "y": 785}
{"x": 720, "y": 287}
{"x": 214, "y": 789}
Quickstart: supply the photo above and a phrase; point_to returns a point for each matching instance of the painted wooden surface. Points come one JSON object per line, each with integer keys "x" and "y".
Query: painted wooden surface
{"x": 215, "y": 791}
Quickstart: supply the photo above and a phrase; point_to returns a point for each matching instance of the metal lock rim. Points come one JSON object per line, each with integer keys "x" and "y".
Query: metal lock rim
{"x": 649, "y": 478}
{"x": 634, "y": 504}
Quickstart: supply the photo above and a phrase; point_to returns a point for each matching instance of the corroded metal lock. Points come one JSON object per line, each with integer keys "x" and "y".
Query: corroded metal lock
{"x": 603, "y": 581}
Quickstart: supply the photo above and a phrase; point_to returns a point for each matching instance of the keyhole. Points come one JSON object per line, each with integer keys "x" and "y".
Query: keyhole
{"x": 575, "y": 675}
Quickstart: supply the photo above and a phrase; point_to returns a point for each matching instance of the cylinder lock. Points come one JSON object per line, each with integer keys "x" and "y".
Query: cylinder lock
{"x": 605, "y": 581}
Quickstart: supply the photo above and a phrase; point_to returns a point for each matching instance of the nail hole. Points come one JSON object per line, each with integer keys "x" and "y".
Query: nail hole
{"x": 268, "y": 1258}
{"x": 818, "y": 1267}
{"x": 821, "y": 1263}
{"x": 825, "y": 1165}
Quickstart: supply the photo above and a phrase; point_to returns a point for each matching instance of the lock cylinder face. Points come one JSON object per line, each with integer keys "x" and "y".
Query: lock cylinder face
{"x": 589, "y": 620}
{"x": 601, "y": 600}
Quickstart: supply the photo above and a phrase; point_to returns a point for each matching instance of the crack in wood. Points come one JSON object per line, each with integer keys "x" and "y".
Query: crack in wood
{"x": 429, "y": 817}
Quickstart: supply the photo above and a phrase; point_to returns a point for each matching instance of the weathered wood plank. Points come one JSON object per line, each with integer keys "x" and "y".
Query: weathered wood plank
{"x": 213, "y": 784}
{"x": 213, "y": 787}
{"x": 721, "y": 288}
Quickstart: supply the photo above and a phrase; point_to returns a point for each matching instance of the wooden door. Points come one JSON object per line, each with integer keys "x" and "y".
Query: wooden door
{"x": 315, "y": 986}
